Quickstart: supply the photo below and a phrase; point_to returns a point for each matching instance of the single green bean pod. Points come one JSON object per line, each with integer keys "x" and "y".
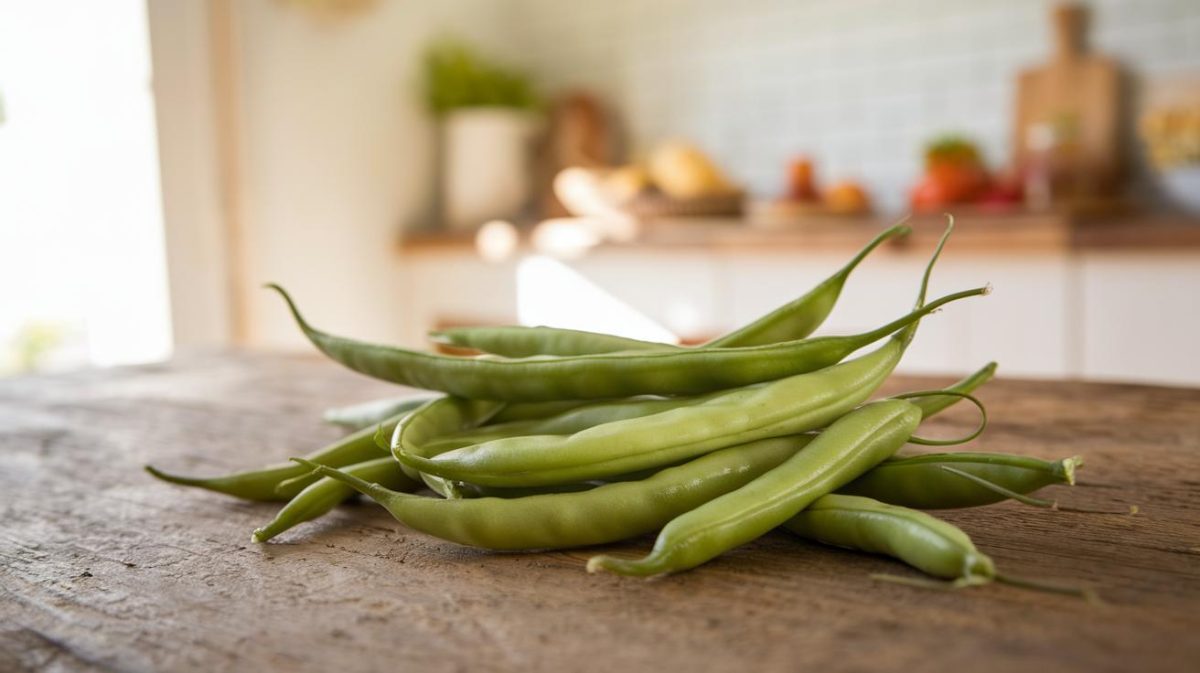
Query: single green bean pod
{"x": 573, "y": 420}
{"x": 515, "y": 341}
{"x": 610, "y": 375}
{"x": 324, "y": 494}
{"x": 846, "y": 449}
{"x": 283, "y": 481}
{"x": 802, "y": 316}
{"x": 604, "y": 514}
{"x": 372, "y": 413}
{"x": 795, "y": 320}
{"x": 922, "y": 482}
{"x": 605, "y": 375}
{"x": 924, "y": 542}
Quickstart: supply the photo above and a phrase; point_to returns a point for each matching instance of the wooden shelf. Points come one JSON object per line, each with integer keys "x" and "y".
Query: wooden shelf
{"x": 976, "y": 232}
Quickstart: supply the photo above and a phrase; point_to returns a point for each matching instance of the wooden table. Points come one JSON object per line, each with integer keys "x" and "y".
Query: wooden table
{"x": 103, "y": 568}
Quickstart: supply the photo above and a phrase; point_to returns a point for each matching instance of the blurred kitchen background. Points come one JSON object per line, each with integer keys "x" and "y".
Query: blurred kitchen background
{"x": 665, "y": 169}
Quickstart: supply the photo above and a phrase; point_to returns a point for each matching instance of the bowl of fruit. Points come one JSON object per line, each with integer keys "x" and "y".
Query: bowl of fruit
{"x": 1172, "y": 138}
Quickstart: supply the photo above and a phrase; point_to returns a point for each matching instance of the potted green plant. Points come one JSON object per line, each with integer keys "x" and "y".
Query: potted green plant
{"x": 489, "y": 115}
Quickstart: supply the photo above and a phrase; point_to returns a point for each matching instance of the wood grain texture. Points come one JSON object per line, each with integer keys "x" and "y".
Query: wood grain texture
{"x": 103, "y": 568}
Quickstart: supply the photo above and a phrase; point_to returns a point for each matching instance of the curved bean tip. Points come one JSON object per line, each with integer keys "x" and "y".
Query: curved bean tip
{"x": 258, "y": 536}
{"x": 172, "y": 478}
{"x": 296, "y": 315}
{"x": 315, "y": 467}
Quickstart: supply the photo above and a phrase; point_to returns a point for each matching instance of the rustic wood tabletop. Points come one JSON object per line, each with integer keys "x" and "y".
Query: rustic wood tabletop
{"x": 104, "y": 568}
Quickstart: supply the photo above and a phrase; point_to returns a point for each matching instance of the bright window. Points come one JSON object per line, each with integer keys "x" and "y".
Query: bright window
{"x": 82, "y": 260}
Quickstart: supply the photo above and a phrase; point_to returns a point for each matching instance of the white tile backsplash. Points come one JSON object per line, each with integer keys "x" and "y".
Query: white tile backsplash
{"x": 860, "y": 85}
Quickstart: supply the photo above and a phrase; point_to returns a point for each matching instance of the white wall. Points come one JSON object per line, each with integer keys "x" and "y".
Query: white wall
{"x": 335, "y": 155}
{"x": 81, "y": 248}
{"x": 336, "y": 151}
{"x": 194, "y": 228}
{"x": 860, "y": 85}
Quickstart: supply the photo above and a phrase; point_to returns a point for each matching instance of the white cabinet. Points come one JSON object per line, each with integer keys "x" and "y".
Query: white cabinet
{"x": 1140, "y": 317}
{"x": 1101, "y": 316}
{"x": 454, "y": 286}
{"x": 1023, "y": 324}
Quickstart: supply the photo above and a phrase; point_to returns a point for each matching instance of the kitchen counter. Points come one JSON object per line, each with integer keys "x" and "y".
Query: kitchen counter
{"x": 104, "y": 568}
{"x": 976, "y": 232}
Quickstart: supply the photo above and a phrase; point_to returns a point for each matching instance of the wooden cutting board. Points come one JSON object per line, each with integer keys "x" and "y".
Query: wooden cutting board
{"x": 103, "y": 568}
{"x": 1075, "y": 98}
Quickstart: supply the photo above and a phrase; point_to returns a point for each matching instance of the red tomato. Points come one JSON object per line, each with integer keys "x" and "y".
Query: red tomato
{"x": 928, "y": 196}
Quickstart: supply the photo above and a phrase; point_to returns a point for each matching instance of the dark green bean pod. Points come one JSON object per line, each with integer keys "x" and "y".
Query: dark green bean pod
{"x": 604, "y": 514}
{"x": 324, "y": 494}
{"x": 855, "y": 443}
{"x": 607, "y": 375}
{"x": 370, "y": 414}
{"x": 922, "y": 483}
{"x": 264, "y": 483}
{"x": 924, "y": 542}
{"x": 795, "y": 320}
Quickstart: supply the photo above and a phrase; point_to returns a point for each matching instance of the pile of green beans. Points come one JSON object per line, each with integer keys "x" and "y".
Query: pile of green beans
{"x": 554, "y": 438}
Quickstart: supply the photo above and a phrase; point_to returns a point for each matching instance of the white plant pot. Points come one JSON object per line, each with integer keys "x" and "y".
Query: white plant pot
{"x": 486, "y": 172}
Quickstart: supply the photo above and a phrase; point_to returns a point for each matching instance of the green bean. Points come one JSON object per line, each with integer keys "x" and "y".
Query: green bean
{"x": 921, "y": 483}
{"x": 514, "y": 341}
{"x": 932, "y": 404}
{"x": 370, "y": 414}
{"x": 789, "y": 406}
{"x": 603, "y": 514}
{"x": 605, "y": 375}
{"x": 792, "y": 405}
{"x": 926, "y": 543}
{"x": 926, "y": 484}
{"x": 929, "y": 405}
{"x": 849, "y": 447}
{"x": 455, "y": 415}
{"x": 573, "y": 420}
{"x": 527, "y": 411}
{"x": 262, "y": 484}
{"x": 580, "y": 418}
{"x": 324, "y": 494}
{"x": 490, "y": 521}
{"x": 795, "y": 320}
{"x": 801, "y": 317}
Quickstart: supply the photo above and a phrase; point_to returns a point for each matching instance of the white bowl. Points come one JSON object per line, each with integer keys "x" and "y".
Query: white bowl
{"x": 1183, "y": 186}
